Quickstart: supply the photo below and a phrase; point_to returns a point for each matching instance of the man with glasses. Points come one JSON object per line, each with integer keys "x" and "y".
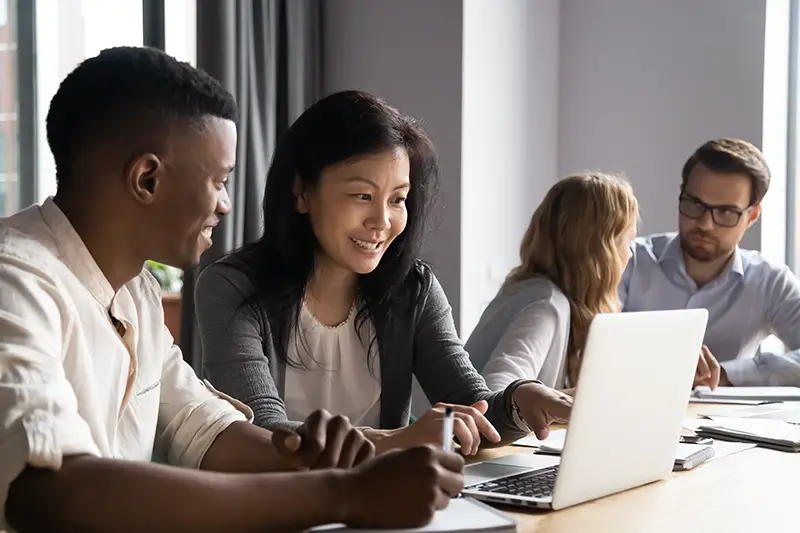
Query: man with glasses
{"x": 701, "y": 266}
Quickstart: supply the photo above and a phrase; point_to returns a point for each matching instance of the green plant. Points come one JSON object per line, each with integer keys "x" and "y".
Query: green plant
{"x": 170, "y": 278}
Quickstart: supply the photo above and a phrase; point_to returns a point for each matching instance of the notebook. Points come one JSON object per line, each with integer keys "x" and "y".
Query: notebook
{"x": 463, "y": 514}
{"x": 750, "y": 394}
{"x": 774, "y": 434}
{"x": 687, "y": 456}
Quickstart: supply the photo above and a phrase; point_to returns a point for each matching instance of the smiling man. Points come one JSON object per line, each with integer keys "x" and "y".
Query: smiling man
{"x": 747, "y": 297}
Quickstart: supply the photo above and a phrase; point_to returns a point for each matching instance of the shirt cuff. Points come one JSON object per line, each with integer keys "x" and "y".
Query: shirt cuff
{"x": 743, "y": 373}
{"x": 200, "y": 429}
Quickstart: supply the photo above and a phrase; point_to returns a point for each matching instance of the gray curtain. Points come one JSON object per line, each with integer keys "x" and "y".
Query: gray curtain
{"x": 267, "y": 54}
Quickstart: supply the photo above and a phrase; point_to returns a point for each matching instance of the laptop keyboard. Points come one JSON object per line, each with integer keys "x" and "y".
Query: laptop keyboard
{"x": 536, "y": 484}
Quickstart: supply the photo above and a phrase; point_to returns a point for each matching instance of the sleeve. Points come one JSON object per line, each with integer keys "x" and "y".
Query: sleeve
{"x": 39, "y": 419}
{"x": 622, "y": 289}
{"x": 233, "y": 340}
{"x": 192, "y": 413}
{"x": 523, "y": 348}
{"x": 444, "y": 370}
{"x": 782, "y": 293}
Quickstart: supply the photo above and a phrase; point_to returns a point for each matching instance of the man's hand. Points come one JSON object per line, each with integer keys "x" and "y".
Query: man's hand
{"x": 541, "y": 406}
{"x": 401, "y": 488}
{"x": 708, "y": 370}
{"x": 324, "y": 441}
{"x": 468, "y": 426}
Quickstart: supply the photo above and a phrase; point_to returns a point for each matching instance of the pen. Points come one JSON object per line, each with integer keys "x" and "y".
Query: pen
{"x": 447, "y": 430}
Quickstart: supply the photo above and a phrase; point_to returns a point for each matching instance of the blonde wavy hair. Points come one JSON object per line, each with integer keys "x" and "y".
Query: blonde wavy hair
{"x": 572, "y": 241}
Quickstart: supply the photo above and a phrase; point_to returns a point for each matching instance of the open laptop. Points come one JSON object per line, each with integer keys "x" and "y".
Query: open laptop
{"x": 630, "y": 403}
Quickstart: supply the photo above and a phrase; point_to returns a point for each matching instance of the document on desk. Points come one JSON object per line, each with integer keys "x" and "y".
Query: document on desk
{"x": 687, "y": 456}
{"x": 463, "y": 515}
{"x": 746, "y": 394}
{"x": 553, "y": 444}
{"x": 774, "y": 434}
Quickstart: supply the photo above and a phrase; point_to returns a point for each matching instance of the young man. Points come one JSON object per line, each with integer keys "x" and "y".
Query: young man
{"x": 702, "y": 266}
{"x": 90, "y": 382}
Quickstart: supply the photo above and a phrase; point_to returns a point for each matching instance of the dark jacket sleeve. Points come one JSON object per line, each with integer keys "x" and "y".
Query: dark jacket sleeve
{"x": 443, "y": 367}
{"x": 238, "y": 353}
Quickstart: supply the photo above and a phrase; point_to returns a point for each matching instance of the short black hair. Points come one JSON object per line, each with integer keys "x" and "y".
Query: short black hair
{"x": 106, "y": 95}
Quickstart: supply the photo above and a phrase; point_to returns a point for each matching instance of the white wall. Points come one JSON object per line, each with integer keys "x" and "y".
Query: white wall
{"x": 408, "y": 52}
{"x": 509, "y": 137}
{"x": 644, "y": 82}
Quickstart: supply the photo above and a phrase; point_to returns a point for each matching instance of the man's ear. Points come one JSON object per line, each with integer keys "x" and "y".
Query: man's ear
{"x": 300, "y": 202}
{"x": 753, "y": 215}
{"x": 143, "y": 175}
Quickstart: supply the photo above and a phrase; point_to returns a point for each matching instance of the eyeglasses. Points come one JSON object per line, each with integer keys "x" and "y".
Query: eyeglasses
{"x": 723, "y": 215}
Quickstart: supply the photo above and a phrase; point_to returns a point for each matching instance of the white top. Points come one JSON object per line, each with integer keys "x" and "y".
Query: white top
{"x": 70, "y": 382}
{"x": 523, "y": 334}
{"x": 336, "y": 375}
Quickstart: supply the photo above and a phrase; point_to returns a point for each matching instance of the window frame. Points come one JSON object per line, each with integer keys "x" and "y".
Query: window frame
{"x": 793, "y": 137}
{"x": 153, "y": 24}
{"x": 25, "y": 13}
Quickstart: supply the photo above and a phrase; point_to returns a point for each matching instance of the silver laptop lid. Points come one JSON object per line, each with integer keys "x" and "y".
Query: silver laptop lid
{"x": 636, "y": 375}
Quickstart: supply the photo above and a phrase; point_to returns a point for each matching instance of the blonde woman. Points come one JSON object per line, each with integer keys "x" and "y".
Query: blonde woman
{"x": 572, "y": 258}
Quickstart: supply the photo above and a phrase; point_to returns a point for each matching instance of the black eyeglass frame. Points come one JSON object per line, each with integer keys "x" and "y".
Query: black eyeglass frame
{"x": 717, "y": 211}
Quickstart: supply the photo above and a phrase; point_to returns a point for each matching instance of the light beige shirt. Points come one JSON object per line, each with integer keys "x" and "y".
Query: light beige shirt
{"x": 70, "y": 383}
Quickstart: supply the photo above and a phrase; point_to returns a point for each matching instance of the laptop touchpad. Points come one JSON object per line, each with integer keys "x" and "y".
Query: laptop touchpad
{"x": 530, "y": 461}
{"x": 483, "y": 472}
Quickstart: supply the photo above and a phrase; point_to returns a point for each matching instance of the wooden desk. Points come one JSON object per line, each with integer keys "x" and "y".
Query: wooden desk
{"x": 756, "y": 490}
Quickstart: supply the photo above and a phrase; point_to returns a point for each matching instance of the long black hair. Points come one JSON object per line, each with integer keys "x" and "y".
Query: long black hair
{"x": 338, "y": 128}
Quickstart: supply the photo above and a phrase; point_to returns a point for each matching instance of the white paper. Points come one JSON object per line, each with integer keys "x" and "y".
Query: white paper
{"x": 463, "y": 514}
{"x": 757, "y": 427}
{"x": 554, "y": 441}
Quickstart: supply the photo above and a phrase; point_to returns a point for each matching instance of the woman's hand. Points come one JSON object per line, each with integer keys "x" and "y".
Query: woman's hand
{"x": 468, "y": 426}
{"x": 541, "y": 406}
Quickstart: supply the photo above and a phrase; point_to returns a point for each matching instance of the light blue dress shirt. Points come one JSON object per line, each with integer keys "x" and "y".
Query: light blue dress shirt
{"x": 751, "y": 299}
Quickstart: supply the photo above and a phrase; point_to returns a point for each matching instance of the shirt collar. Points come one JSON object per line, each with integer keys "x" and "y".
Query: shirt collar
{"x": 672, "y": 252}
{"x": 75, "y": 254}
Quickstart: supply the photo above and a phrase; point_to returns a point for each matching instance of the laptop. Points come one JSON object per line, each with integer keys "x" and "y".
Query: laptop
{"x": 630, "y": 403}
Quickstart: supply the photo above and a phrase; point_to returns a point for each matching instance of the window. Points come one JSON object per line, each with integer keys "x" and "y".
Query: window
{"x": 9, "y": 170}
{"x": 67, "y": 32}
{"x": 180, "y": 30}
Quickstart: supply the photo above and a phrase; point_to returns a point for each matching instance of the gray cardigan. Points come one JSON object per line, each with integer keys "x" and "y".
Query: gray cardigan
{"x": 239, "y": 357}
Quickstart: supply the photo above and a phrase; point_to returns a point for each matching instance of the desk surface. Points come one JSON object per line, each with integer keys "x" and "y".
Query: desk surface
{"x": 754, "y": 490}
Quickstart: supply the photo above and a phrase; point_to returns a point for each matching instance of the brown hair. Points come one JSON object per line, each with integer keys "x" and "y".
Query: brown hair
{"x": 571, "y": 240}
{"x": 732, "y": 156}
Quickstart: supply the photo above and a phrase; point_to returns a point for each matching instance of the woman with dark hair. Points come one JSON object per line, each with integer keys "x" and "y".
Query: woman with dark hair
{"x": 332, "y": 307}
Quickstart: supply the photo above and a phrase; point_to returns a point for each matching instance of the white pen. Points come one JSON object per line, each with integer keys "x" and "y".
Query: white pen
{"x": 447, "y": 430}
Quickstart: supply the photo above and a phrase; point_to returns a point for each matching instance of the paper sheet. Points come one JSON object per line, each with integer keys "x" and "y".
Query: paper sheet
{"x": 554, "y": 443}
{"x": 463, "y": 514}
